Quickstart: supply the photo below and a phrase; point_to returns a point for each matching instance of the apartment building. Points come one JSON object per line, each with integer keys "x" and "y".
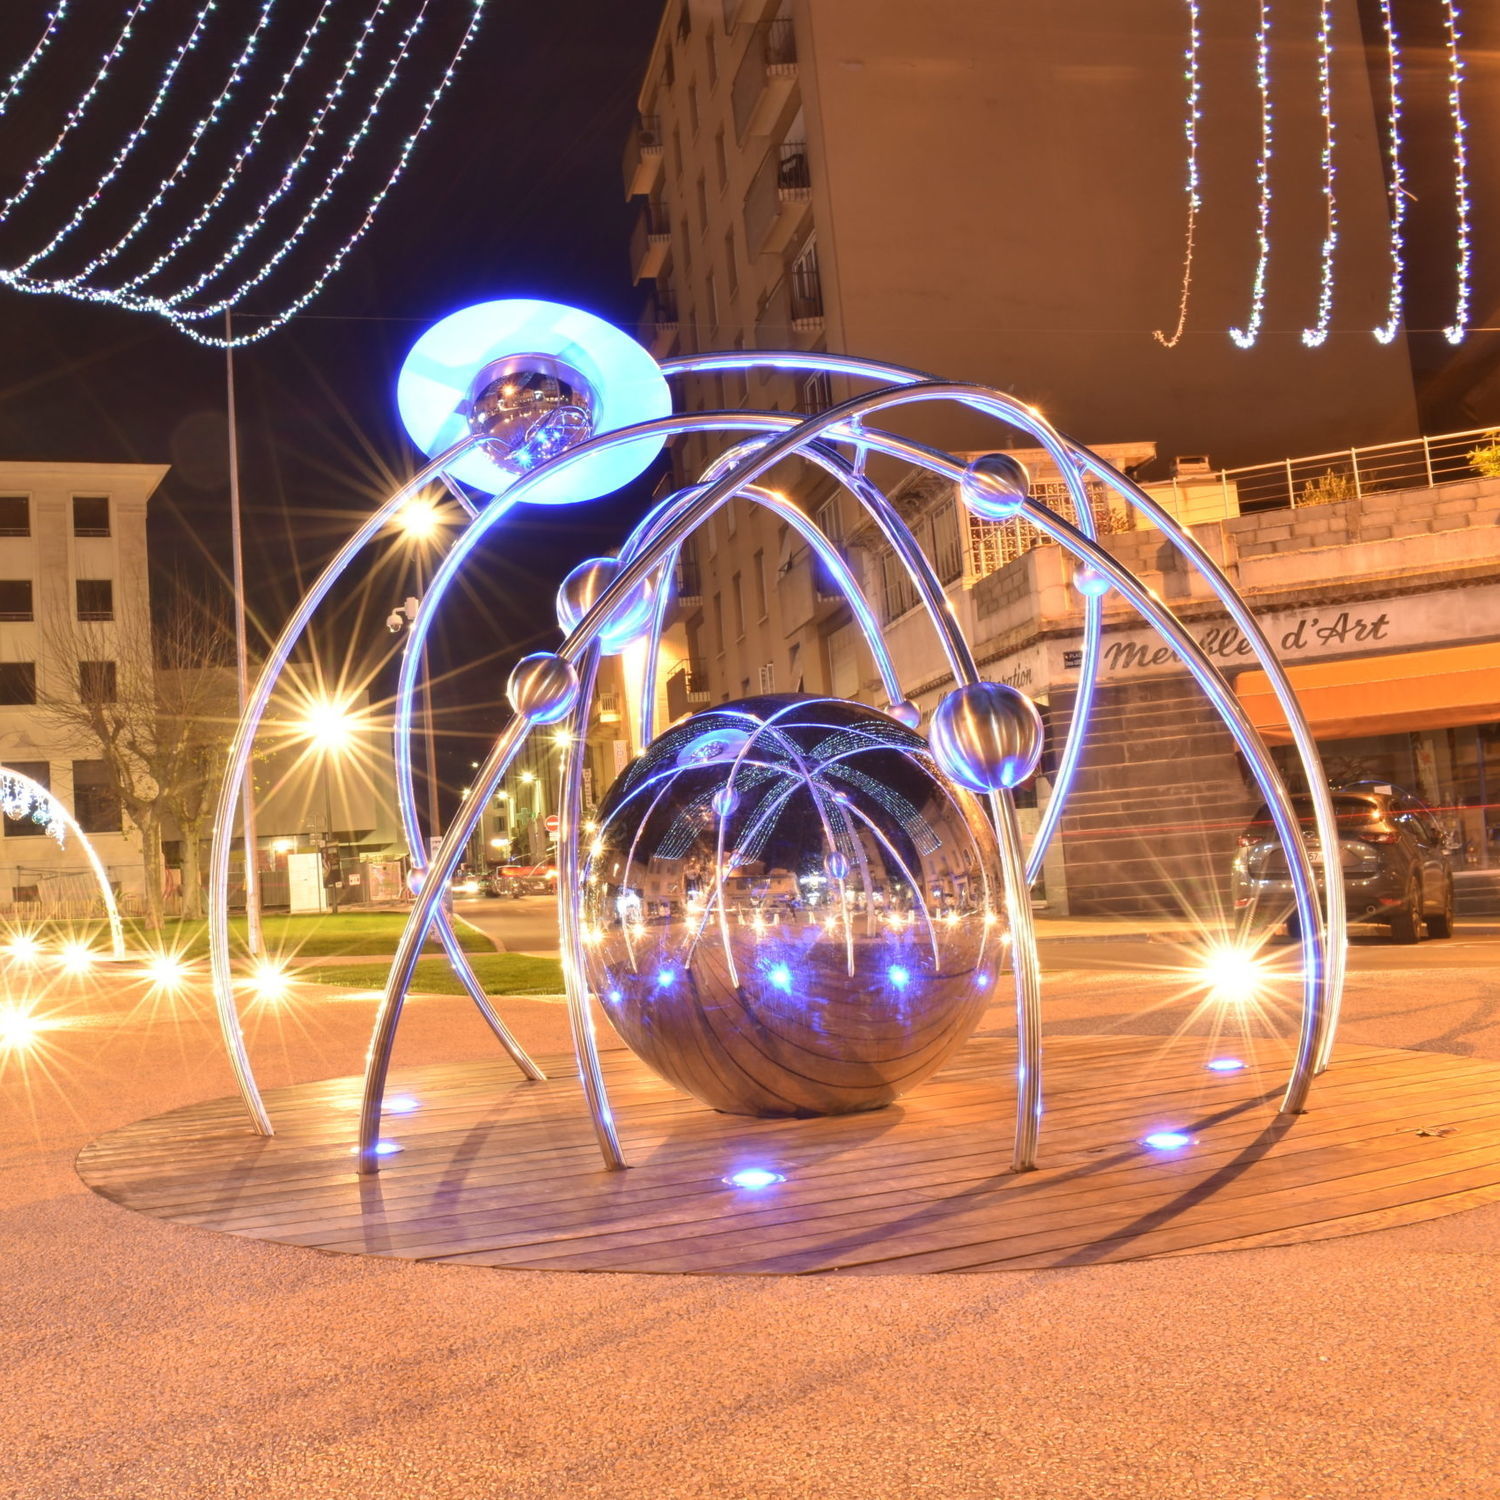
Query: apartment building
{"x": 75, "y": 615}
{"x": 994, "y": 193}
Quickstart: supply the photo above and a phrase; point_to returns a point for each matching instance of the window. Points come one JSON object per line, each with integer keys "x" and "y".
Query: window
{"x": 97, "y": 682}
{"x": 15, "y": 599}
{"x": 95, "y": 805}
{"x": 717, "y": 618}
{"x": 721, "y": 160}
{"x": 25, "y": 895}
{"x": 711, "y": 297}
{"x": 815, "y": 392}
{"x": 17, "y": 682}
{"x": 41, "y": 773}
{"x": 739, "y": 605}
{"x": 711, "y": 61}
{"x": 96, "y": 599}
{"x": 758, "y": 579}
{"x": 702, "y": 205}
{"x": 684, "y": 242}
{"x": 692, "y": 109}
{"x": 90, "y": 515}
{"x": 15, "y": 515}
{"x": 668, "y": 70}
{"x": 768, "y": 677}
{"x": 676, "y": 152}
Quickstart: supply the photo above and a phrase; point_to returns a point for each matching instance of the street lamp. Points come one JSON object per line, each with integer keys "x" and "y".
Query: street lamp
{"x": 328, "y": 726}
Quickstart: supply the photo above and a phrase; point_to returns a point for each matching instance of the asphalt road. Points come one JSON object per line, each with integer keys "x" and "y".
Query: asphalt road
{"x": 529, "y": 925}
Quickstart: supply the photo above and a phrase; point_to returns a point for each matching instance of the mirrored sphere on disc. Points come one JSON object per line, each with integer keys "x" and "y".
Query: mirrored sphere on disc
{"x": 788, "y": 909}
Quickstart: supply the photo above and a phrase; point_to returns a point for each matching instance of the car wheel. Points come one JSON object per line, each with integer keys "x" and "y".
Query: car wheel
{"x": 1441, "y": 926}
{"x": 1406, "y": 925}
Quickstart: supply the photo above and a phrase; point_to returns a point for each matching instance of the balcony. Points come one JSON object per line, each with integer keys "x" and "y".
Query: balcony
{"x": 649, "y": 241}
{"x": 658, "y": 326}
{"x": 687, "y": 690}
{"x": 806, "y": 293}
{"x": 689, "y": 584}
{"x": 778, "y": 199}
{"x": 766, "y": 77}
{"x": 641, "y": 167}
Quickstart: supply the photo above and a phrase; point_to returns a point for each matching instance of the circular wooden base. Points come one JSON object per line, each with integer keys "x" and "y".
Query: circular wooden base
{"x": 495, "y": 1171}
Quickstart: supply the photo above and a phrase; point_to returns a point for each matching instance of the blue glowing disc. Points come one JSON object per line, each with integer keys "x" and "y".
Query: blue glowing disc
{"x": 1168, "y": 1140}
{"x": 627, "y": 383}
{"x": 754, "y": 1177}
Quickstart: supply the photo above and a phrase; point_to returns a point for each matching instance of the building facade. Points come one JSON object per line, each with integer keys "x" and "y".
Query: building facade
{"x": 75, "y": 616}
{"x": 994, "y": 193}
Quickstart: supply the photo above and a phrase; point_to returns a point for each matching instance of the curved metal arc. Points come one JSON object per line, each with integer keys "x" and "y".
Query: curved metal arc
{"x": 580, "y": 1016}
{"x": 403, "y": 965}
{"x": 238, "y": 760}
{"x": 57, "y": 811}
{"x": 1016, "y": 412}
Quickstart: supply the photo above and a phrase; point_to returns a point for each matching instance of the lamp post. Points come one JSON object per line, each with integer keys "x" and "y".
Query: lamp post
{"x": 329, "y": 727}
{"x": 420, "y": 520}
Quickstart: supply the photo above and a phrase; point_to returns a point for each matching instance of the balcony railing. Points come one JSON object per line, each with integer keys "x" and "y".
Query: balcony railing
{"x": 689, "y": 583}
{"x": 766, "y": 76}
{"x": 806, "y": 292}
{"x": 687, "y": 690}
{"x": 641, "y": 166}
{"x": 778, "y": 198}
{"x": 649, "y": 240}
{"x": 658, "y": 325}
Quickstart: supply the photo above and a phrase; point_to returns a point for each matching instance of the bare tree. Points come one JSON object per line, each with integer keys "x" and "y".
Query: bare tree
{"x": 157, "y": 704}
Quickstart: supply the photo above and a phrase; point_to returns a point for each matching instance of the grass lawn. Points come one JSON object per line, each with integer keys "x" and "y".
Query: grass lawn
{"x": 345, "y": 934}
{"x": 499, "y": 973}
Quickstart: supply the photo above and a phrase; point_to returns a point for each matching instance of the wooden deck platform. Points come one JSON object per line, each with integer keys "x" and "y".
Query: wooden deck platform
{"x": 497, "y": 1172}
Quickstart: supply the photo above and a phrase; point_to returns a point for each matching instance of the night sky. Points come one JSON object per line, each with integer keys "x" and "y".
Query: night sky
{"x": 515, "y": 191}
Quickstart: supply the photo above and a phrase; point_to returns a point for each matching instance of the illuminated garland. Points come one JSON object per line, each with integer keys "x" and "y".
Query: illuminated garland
{"x": 1459, "y": 327}
{"x": 172, "y": 305}
{"x": 132, "y": 140}
{"x": 22, "y": 798}
{"x": 1247, "y": 335}
{"x": 19, "y": 76}
{"x": 1194, "y": 197}
{"x": 235, "y": 73}
{"x": 76, "y": 114}
{"x": 166, "y": 305}
{"x": 252, "y": 141}
{"x": 1317, "y": 335}
{"x": 1387, "y": 331}
{"x": 277, "y": 320}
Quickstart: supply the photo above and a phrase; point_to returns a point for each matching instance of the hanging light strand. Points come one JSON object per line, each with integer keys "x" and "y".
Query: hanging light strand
{"x": 1317, "y": 335}
{"x": 13, "y": 85}
{"x": 1396, "y": 298}
{"x": 1194, "y": 196}
{"x": 1456, "y": 331}
{"x": 248, "y": 231}
{"x": 1246, "y": 336}
{"x": 75, "y": 115}
{"x": 181, "y": 240}
{"x": 371, "y": 210}
{"x": 82, "y": 210}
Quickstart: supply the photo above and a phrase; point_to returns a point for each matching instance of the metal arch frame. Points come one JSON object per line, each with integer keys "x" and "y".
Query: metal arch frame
{"x": 1017, "y": 413}
{"x": 794, "y": 433}
{"x": 1065, "y": 454}
{"x": 238, "y": 761}
{"x": 58, "y": 813}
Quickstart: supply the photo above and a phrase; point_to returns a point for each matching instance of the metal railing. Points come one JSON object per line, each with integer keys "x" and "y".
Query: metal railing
{"x": 687, "y": 689}
{"x": 652, "y": 227}
{"x": 806, "y": 288}
{"x": 645, "y": 139}
{"x": 1353, "y": 473}
{"x": 772, "y": 45}
{"x": 791, "y": 167}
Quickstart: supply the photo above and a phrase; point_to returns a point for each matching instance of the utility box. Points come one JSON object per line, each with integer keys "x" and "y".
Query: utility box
{"x": 305, "y": 889}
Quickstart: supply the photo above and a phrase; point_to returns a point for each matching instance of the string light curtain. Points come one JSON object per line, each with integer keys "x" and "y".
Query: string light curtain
{"x": 263, "y": 148}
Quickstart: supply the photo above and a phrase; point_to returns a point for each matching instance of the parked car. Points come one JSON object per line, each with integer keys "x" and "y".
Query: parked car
{"x": 523, "y": 880}
{"x": 1394, "y": 858}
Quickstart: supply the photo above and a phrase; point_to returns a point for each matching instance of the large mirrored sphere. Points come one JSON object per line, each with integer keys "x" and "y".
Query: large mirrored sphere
{"x": 789, "y": 910}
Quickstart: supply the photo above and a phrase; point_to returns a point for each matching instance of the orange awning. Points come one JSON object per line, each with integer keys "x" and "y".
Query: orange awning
{"x": 1343, "y": 700}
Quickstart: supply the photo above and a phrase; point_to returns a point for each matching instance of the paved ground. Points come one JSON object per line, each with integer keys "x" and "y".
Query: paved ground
{"x": 139, "y": 1359}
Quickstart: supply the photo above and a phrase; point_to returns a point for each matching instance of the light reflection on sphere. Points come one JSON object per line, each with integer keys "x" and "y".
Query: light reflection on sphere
{"x": 851, "y": 942}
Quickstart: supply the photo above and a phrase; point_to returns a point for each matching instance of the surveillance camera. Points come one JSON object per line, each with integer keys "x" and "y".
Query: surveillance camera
{"x": 395, "y": 621}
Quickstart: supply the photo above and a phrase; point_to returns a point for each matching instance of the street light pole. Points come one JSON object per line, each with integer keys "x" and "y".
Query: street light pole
{"x": 253, "y": 939}
{"x": 429, "y": 737}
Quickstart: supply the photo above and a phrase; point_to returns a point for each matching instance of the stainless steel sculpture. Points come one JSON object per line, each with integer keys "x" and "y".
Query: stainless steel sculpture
{"x": 983, "y": 736}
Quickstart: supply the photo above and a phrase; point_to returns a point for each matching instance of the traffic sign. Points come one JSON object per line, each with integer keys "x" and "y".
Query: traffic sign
{"x": 551, "y": 824}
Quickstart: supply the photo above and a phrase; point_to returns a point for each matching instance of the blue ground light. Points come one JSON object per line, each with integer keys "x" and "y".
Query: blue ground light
{"x": 1225, "y": 1065}
{"x": 780, "y": 976}
{"x": 401, "y": 1104}
{"x": 899, "y": 976}
{"x": 754, "y": 1177}
{"x": 1168, "y": 1140}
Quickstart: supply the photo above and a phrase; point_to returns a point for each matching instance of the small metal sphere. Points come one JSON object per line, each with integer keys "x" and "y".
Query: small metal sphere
{"x": 1091, "y": 583}
{"x": 987, "y": 736}
{"x": 995, "y": 486}
{"x": 582, "y": 588}
{"x": 535, "y": 405}
{"x": 543, "y": 687}
{"x": 906, "y": 713}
